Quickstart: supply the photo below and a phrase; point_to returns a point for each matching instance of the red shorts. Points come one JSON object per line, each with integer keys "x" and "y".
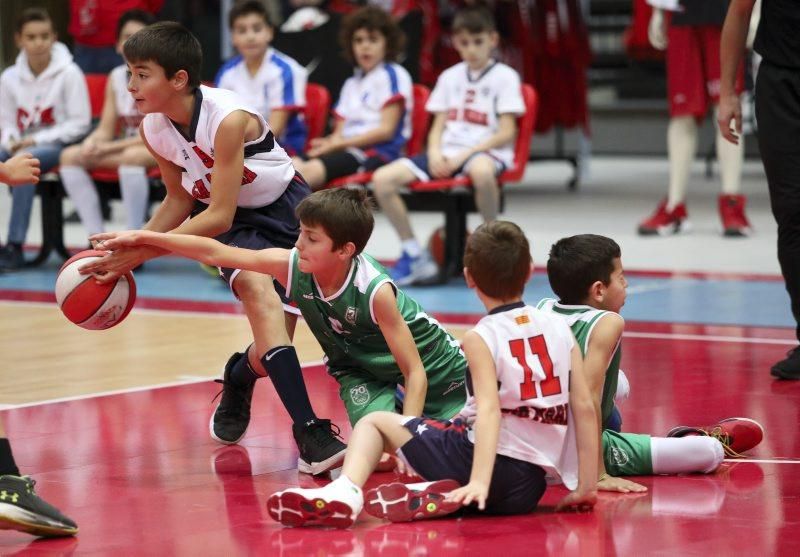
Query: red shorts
{"x": 693, "y": 70}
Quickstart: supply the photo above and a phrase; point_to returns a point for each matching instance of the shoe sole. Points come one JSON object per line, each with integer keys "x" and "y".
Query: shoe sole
{"x": 16, "y": 518}
{"x": 219, "y": 439}
{"x": 317, "y": 468}
{"x": 292, "y": 509}
{"x": 397, "y": 503}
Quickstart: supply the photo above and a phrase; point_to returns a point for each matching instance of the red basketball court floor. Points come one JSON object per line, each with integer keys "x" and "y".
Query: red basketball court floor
{"x": 140, "y": 475}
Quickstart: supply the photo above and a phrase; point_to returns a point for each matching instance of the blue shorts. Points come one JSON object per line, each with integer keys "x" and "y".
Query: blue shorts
{"x": 272, "y": 226}
{"x": 418, "y": 164}
{"x": 440, "y": 449}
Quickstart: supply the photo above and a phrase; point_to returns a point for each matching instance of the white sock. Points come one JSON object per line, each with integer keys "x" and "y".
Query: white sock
{"x": 135, "y": 189}
{"x": 345, "y": 482}
{"x": 731, "y": 159}
{"x": 681, "y": 148}
{"x": 81, "y": 190}
{"x": 683, "y": 455}
{"x": 411, "y": 247}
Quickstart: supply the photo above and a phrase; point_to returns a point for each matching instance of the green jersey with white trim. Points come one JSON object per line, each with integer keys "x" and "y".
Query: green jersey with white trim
{"x": 344, "y": 325}
{"x": 582, "y": 319}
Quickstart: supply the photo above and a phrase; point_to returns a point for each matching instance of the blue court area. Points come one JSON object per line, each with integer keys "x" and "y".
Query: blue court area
{"x": 727, "y": 301}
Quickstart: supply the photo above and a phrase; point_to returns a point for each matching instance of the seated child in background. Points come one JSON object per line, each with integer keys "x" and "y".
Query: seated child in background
{"x": 475, "y": 105}
{"x": 271, "y": 81}
{"x": 585, "y": 272}
{"x": 373, "y": 111}
{"x": 534, "y": 418}
{"x": 44, "y": 105}
{"x": 114, "y": 143}
{"x": 375, "y": 337}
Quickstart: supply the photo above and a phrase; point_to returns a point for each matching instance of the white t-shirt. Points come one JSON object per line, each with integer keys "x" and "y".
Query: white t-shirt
{"x": 362, "y": 98}
{"x": 128, "y": 115}
{"x": 473, "y": 104}
{"x": 532, "y": 355}
{"x": 279, "y": 84}
{"x": 267, "y": 167}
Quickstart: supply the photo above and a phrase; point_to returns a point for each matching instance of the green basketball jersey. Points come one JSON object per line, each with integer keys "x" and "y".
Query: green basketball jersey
{"x": 582, "y": 319}
{"x": 344, "y": 325}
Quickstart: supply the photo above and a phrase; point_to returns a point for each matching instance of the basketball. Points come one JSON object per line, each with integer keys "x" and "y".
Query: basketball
{"x": 436, "y": 245}
{"x": 88, "y": 304}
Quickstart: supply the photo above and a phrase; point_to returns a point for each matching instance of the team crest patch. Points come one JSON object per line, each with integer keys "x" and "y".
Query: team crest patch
{"x": 359, "y": 395}
{"x": 351, "y": 315}
{"x": 620, "y": 456}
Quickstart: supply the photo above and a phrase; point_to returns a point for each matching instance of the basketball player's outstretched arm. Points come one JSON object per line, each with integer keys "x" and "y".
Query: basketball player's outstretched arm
{"x": 272, "y": 261}
{"x": 487, "y": 422}
{"x": 401, "y": 343}
{"x": 20, "y": 169}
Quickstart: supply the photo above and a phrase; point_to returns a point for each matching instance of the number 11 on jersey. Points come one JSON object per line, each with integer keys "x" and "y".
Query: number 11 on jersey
{"x": 550, "y": 385}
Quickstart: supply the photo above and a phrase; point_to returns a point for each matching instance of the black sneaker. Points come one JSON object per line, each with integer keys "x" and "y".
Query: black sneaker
{"x": 21, "y": 509}
{"x": 320, "y": 445}
{"x": 789, "y": 367}
{"x": 232, "y": 415}
{"x": 11, "y": 257}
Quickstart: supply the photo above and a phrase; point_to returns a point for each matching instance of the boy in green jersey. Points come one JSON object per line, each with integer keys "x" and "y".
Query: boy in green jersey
{"x": 374, "y": 336}
{"x": 585, "y": 272}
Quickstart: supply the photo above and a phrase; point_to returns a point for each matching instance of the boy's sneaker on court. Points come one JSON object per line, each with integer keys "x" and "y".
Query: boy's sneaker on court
{"x": 11, "y": 257}
{"x": 400, "y": 502}
{"x": 664, "y": 222}
{"x": 21, "y": 509}
{"x": 731, "y": 212}
{"x": 320, "y": 445}
{"x": 789, "y": 367}
{"x": 737, "y": 435}
{"x": 409, "y": 270}
{"x": 232, "y": 415}
{"x": 332, "y": 506}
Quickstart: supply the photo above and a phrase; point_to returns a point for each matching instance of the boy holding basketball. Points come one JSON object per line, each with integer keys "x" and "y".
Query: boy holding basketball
{"x": 375, "y": 337}
{"x": 20, "y": 508}
{"x": 214, "y": 149}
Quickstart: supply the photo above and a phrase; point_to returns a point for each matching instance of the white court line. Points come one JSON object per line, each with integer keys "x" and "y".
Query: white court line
{"x": 710, "y": 338}
{"x": 189, "y": 380}
{"x": 765, "y": 461}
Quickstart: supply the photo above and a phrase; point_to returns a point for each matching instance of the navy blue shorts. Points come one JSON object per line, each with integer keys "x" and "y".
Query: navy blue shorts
{"x": 441, "y": 450}
{"x": 418, "y": 164}
{"x": 272, "y": 226}
{"x": 348, "y": 161}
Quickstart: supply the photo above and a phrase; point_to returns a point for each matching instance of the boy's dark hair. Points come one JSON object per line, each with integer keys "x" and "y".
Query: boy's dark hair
{"x": 498, "y": 258}
{"x": 139, "y": 16}
{"x": 247, "y": 7}
{"x": 578, "y": 262}
{"x": 345, "y": 214}
{"x": 474, "y": 19}
{"x": 32, "y": 14}
{"x": 170, "y": 45}
{"x": 372, "y": 18}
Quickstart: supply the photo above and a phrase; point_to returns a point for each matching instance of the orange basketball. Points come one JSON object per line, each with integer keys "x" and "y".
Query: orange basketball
{"x": 88, "y": 304}
{"x": 436, "y": 245}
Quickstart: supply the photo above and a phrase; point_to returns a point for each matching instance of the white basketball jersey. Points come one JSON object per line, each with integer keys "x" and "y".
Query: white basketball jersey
{"x": 128, "y": 115}
{"x": 531, "y": 352}
{"x": 267, "y": 167}
{"x": 473, "y": 104}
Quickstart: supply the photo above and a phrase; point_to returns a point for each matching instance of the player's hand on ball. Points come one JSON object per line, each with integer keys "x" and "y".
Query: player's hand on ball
{"x": 621, "y": 485}
{"x": 111, "y": 241}
{"x": 578, "y": 500}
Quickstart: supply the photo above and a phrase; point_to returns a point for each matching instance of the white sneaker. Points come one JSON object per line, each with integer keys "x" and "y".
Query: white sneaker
{"x": 334, "y": 506}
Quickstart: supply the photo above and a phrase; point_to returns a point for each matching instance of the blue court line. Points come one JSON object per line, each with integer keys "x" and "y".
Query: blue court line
{"x": 667, "y": 300}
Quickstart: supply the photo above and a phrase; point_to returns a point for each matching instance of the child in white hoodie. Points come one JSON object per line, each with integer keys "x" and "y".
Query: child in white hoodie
{"x": 44, "y": 105}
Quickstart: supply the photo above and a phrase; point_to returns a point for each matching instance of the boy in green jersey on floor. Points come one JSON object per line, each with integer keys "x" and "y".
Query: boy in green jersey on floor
{"x": 374, "y": 336}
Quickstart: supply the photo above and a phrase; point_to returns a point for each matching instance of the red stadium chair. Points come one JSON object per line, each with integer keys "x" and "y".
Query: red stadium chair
{"x": 318, "y": 104}
{"x": 96, "y": 83}
{"x": 420, "y": 119}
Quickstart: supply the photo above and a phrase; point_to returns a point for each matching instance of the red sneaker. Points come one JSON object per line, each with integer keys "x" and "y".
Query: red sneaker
{"x": 405, "y": 502}
{"x": 737, "y": 435}
{"x": 664, "y": 222}
{"x": 731, "y": 211}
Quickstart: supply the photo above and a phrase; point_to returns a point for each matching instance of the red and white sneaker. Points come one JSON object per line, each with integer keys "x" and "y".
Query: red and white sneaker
{"x": 663, "y": 222}
{"x": 737, "y": 435}
{"x": 332, "y": 506}
{"x": 731, "y": 212}
{"x": 399, "y": 502}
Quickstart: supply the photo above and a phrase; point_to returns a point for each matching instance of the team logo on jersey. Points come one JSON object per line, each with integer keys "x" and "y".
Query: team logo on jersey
{"x": 336, "y": 325}
{"x": 185, "y": 155}
{"x": 620, "y": 456}
{"x": 452, "y": 387}
{"x": 351, "y": 315}
{"x": 359, "y": 395}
